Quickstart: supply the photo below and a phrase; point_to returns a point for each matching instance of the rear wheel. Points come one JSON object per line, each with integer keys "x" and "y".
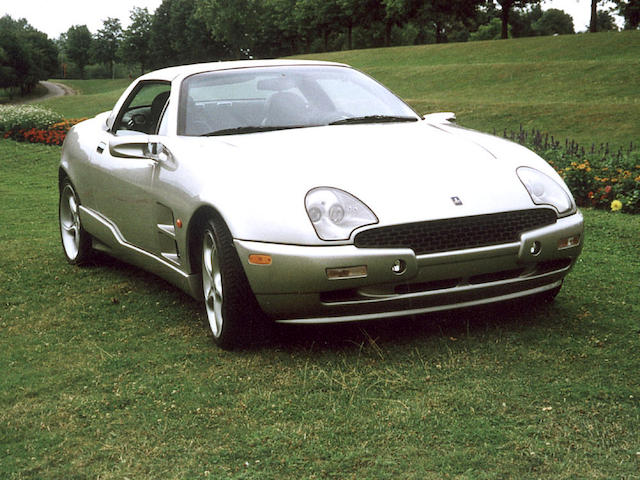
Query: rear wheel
{"x": 76, "y": 242}
{"x": 232, "y": 310}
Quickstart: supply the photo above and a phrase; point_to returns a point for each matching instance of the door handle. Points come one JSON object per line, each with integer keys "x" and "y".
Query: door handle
{"x": 101, "y": 147}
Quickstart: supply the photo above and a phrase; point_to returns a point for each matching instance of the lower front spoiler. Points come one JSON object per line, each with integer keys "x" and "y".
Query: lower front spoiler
{"x": 406, "y": 304}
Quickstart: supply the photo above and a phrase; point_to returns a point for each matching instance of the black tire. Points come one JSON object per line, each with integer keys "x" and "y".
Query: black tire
{"x": 550, "y": 295}
{"x": 76, "y": 242}
{"x": 232, "y": 310}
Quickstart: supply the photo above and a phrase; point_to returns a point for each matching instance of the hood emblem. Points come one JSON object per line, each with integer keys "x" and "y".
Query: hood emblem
{"x": 456, "y": 201}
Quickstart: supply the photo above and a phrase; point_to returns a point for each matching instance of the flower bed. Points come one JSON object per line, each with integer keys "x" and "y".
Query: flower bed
{"x": 26, "y": 117}
{"x": 37, "y": 125}
{"x": 597, "y": 176}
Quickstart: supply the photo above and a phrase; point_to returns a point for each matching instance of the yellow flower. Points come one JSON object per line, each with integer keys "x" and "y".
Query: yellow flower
{"x": 616, "y": 205}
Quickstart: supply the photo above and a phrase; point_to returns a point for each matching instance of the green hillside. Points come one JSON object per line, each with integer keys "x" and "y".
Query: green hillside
{"x": 582, "y": 87}
{"x": 94, "y": 96}
{"x": 585, "y": 87}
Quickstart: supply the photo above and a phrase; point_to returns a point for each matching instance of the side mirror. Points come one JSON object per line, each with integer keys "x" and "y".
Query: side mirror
{"x": 440, "y": 117}
{"x": 110, "y": 120}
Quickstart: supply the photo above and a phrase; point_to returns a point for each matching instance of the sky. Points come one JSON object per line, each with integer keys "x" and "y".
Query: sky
{"x": 53, "y": 17}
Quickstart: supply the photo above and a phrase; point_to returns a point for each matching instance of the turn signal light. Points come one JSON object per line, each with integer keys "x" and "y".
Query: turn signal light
{"x": 569, "y": 242}
{"x": 257, "y": 259}
{"x": 347, "y": 272}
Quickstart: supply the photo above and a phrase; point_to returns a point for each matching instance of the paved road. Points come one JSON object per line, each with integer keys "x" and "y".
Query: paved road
{"x": 53, "y": 90}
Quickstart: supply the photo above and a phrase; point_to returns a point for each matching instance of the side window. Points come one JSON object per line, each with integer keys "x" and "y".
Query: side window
{"x": 142, "y": 110}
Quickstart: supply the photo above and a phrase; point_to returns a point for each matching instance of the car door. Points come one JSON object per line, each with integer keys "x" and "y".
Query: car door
{"x": 124, "y": 195}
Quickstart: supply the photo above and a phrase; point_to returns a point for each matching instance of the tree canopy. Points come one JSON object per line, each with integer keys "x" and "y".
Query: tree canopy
{"x": 190, "y": 31}
{"x": 26, "y": 55}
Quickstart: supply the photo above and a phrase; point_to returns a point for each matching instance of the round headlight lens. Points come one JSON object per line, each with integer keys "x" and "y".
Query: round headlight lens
{"x": 315, "y": 214}
{"x": 335, "y": 213}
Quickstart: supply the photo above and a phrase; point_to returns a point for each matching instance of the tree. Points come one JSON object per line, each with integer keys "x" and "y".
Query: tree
{"x": 488, "y": 31}
{"x": 318, "y": 17}
{"x": 136, "y": 39}
{"x": 446, "y": 16}
{"x": 352, "y": 13}
{"x": 606, "y": 22}
{"x": 107, "y": 42}
{"x": 521, "y": 21}
{"x": 26, "y": 55}
{"x": 506, "y": 6}
{"x": 554, "y": 22}
{"x": 78, "y": 46}
{"x": 630, "y": 10}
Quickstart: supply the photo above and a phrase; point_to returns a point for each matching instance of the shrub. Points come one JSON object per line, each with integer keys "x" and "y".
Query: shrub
{"x": 14, "y": 117}
{"x": 597, "y": 176}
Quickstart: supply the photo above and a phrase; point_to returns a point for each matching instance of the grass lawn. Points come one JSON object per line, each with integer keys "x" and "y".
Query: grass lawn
{"x": 96, "y": 96}
{"x": 109, "y": 372}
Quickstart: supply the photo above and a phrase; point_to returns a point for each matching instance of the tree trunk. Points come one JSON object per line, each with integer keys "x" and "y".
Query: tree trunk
{"x": 504, "y": 15}
{"x": 349, "y": 37}
{"x": 593, "y": 25}
{"x": 439, "y": 33}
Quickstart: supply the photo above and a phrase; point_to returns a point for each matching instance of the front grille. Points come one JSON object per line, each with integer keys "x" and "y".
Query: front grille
{"x": 457, "y": 233}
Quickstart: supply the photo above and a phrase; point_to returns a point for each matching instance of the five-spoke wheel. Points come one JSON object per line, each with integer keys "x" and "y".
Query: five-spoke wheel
{"x": 212, "y": 284}
{"x": 76, "y": 242}
{"x": 231, "y": 308}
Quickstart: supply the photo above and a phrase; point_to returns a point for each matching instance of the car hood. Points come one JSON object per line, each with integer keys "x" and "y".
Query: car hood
{"x": 404, "y": 172}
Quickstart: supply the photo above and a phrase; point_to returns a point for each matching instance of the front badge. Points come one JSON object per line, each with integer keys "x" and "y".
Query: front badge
{"x": 456, "y": 201}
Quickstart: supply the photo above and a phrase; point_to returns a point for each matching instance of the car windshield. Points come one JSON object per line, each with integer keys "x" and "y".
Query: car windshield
{"x": 275, "y": 98}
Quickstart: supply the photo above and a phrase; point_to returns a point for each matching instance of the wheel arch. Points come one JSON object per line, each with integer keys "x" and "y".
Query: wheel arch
{"x": 62, "y": 176}
{"x": 195, "y": 228}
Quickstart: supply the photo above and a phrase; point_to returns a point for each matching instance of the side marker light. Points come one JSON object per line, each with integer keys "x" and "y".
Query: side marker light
{"x": 257, "y": 259}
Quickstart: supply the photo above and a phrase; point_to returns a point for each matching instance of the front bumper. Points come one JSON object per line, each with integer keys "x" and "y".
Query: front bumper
{"x": 295, "y": 287}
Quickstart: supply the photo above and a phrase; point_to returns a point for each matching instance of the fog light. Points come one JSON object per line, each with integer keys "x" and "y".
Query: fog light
{"x": 347, "y": 272}
{"x": 569, "y": 242}
{"x": 535, "y": 249}
{"x": 399, "y": 267}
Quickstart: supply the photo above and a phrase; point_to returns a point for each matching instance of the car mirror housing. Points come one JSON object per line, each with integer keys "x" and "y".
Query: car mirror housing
{"x": 110, "y": 120}
{"x": 440, "y": 117}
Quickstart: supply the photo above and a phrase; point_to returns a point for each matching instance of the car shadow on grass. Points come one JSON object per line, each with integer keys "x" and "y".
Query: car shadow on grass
{"x": 523, "y": 315}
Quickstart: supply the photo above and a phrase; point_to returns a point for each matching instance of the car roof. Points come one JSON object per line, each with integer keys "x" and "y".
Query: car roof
{"x": 171, "y": 73}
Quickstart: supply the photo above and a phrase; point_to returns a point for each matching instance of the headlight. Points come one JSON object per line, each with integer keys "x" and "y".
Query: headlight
{"x": 335, "y": 213}
{"x": 546, "y": 191}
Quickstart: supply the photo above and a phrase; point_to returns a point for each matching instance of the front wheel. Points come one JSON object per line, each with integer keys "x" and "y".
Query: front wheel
{"x": 76, "y": 242}
{"x": 231, "y": 308}
{"x": 550, "y": 295}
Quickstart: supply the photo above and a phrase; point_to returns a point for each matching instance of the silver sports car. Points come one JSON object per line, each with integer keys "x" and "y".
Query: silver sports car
{"x": 306, "y": 192}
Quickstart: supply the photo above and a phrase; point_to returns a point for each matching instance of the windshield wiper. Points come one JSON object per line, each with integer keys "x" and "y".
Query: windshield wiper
{"x": 374, "y": 119}
{"x": 250, "y": 129}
